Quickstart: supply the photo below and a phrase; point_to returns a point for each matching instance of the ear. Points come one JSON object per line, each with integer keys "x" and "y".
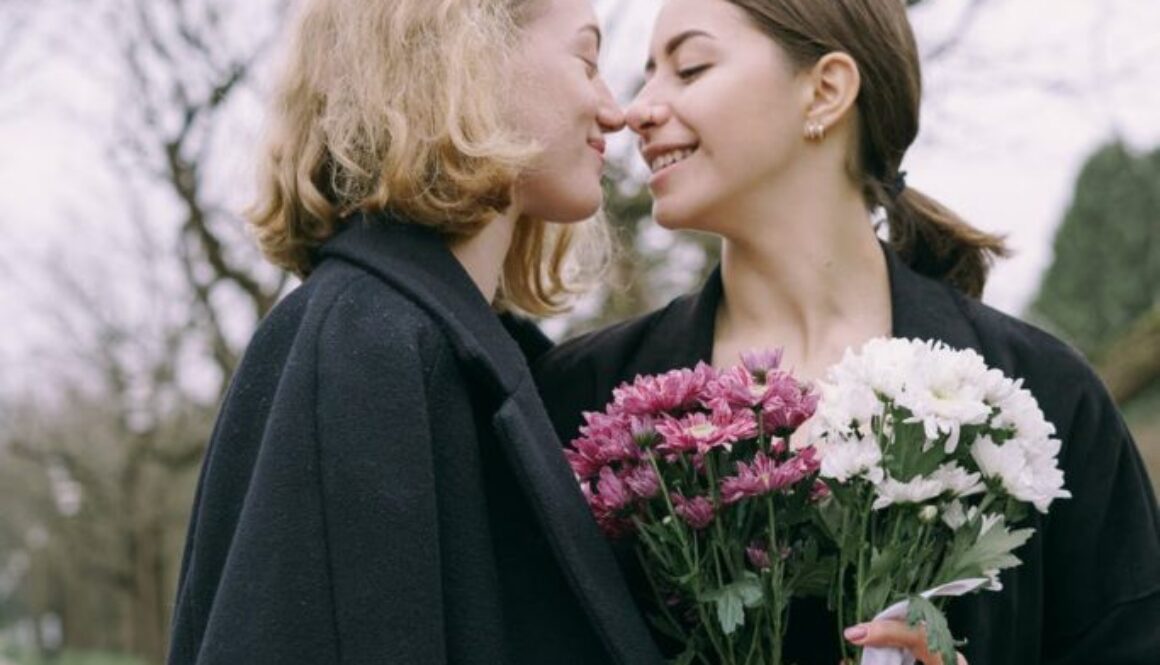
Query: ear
{"x": 835, "y": 84}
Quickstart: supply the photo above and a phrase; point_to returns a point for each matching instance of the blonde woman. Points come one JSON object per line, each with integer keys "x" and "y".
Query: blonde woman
{"x": 383, "y": 485}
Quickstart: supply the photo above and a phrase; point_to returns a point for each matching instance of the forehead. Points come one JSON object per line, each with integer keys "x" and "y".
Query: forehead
{"x": 561, "y": 15}
{"x": 719, "y": 18}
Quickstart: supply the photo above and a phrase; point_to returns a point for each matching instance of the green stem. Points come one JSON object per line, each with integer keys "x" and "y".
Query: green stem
{"x": 691, "y": 564}
{"x": 840, "y": 585}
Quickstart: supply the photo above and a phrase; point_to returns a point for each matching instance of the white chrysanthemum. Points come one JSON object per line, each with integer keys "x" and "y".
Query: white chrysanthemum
{"x": 955, "y": 517}
{"x": 957, "y": 480}
{"x": 840, "y": 406}
{"x": 1027, "y": 470}
{"x": 945, "y": 391}
{"x": 915, "y": 490}
{"x": 882, "y": 365}
{"x": 1018, "y": 410}
{"x": 843, "y": 460}
{"x": 990, "y": 520}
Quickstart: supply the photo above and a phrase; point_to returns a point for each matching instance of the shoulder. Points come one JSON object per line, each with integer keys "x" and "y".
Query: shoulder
{"x": 1025, "y": 350}
{"x": 580, "y": 374}
{"x": 1067, "y": 388}
{"x": 344, "y": 314}
{"x": 603, "y": 352}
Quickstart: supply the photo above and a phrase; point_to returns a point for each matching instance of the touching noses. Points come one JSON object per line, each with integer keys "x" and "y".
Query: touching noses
{"x": 609, "y": 115}
{"x": 644, "y": 114}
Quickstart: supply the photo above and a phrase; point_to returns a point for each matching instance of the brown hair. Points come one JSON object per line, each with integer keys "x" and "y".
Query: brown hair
{"x": 398, "y": 106}
{"x": 877, "y": 35}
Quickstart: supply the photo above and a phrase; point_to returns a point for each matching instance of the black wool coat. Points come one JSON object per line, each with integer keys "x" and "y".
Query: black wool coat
{"x": 1088, "y": 592}
{"x": 384, "y": 486}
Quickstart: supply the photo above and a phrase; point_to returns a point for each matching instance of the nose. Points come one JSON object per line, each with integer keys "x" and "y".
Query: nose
{"x": 644, "y": 114}
{"x": 609, "y": 115}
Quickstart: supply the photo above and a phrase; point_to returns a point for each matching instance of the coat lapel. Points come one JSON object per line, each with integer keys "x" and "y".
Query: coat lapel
{"x": 921, "y": 308}
{"x": 415, "y": 260}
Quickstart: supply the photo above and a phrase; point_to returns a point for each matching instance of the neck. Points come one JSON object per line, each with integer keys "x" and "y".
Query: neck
{"x": 482, "y": 255}
{"x": 804, "y": 273}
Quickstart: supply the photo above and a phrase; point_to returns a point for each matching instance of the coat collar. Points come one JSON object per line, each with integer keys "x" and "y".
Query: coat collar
{"x": 921, "y": 308}
{"x": 416, "y": 260}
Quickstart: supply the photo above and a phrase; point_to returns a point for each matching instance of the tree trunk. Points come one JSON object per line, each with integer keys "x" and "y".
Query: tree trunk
{"x": 1131, "y": 362}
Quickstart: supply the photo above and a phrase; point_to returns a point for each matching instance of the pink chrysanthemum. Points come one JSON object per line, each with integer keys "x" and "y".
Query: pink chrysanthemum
{"x": 787, "y": 405}
{"x": 613, "y": 433}
{"x": 765, "y": 475}
{"x": 603, "y": 440}
{"x": 643, "y": 481}
{"x": 698, "y": 433}
{"x": 612, "y": 490}
{"x": 643, "y": 430}
{"x": 735, "y": 388}
{"x": 676, "y": 390}
{"x": 697, "y": 512}
{"x": 758, "y": 555}
{"x": 761, "y": 363}
{"x": 819, "y": 491}
{"x": 611, "y": 522}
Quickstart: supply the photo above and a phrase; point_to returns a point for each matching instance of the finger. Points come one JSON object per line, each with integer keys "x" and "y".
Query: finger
{"x": 893, "y": 634}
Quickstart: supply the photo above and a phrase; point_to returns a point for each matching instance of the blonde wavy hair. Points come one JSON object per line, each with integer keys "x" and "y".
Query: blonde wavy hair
{"x": 397, "y": 106}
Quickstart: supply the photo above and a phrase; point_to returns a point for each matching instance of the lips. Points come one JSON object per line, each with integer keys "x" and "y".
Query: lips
{"x": 599, "y": 145}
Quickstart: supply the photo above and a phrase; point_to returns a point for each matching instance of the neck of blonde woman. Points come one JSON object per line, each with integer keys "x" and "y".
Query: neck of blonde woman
{"x": 482, "y": 255}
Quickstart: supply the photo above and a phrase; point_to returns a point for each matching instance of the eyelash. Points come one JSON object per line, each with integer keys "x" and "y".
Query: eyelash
{"x": 690, "y": 73}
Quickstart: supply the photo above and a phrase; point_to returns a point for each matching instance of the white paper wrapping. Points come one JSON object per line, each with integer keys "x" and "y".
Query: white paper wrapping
{"x": 897, "y": 611}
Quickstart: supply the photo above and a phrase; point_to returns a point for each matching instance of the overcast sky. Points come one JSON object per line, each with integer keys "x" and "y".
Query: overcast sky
{"x": 1010, "y": 114}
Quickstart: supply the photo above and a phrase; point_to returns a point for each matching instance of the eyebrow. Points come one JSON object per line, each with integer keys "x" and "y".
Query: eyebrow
{"x": 591, "y": 27}
{"x": 674, "y": 44}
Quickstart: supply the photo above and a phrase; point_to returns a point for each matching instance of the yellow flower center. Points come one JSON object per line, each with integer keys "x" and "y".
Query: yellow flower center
{"x": 703, "y": 430}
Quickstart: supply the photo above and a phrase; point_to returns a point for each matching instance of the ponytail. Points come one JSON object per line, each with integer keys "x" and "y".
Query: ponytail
{"x": 936, "y": 242}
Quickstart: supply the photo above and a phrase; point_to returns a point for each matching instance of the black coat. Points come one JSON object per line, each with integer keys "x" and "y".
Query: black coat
{"x": 383, "y": 486}
{"x": 1088, "y": 591}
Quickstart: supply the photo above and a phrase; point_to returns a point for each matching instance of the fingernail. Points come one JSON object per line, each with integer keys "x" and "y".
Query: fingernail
{"x": 855, "y": 633}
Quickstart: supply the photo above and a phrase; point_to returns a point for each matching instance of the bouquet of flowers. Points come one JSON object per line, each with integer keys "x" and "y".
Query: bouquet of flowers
{"x": 695, "y": 463}
{"x": 929, "y": 457}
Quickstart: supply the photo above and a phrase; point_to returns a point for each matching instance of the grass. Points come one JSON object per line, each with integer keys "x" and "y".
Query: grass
{"x": 68, "y": 658}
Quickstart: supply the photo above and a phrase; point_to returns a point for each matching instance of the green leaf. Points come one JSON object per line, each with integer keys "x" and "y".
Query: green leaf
{"x": 814, "y": 579}
{"x": 938, "y": 634}
{"x": 732, "y": 599}
{"x": 830, "y": 515}
{"x": 991, "y": 551}
{"x": 905, "y": 458}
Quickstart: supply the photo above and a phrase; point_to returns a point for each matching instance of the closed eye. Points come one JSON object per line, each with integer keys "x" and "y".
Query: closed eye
{"x": 690, "y": 73}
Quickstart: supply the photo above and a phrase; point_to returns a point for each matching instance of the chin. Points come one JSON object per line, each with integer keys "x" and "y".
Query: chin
{"x": 575, "y": 208}
{"x": 674, "y": 217}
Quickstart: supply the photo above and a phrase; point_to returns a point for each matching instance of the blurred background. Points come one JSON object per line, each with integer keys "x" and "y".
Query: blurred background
{"x": 128, "y": 131}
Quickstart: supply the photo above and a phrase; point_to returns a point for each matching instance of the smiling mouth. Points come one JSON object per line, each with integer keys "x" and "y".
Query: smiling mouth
{"x": 670, "y": 158}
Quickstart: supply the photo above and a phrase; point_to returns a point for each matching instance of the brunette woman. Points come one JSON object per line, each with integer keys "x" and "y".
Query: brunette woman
{"x": 780, "y": 126}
